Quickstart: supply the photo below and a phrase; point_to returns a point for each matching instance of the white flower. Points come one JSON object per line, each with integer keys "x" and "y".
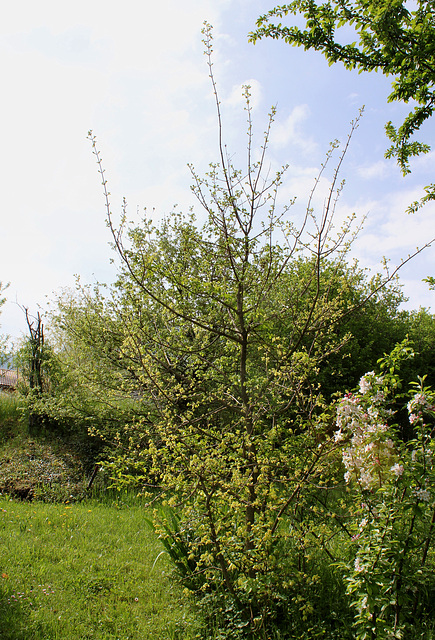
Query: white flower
{"x": 338, "y": 435}
{"x": 422, "y": 494}
{"x": 366, "y": 479}
{"x": 379, "y": 397}
{"x": 418, "y": 402}
{"x": 365, "y": 384}
{"x": 397, "y": 469}
{"x": 357, "y": 565}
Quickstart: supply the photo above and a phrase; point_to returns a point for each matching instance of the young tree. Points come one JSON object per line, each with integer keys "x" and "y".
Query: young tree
{"x": 218, "y": 334}
{"x": 393, "y": 37}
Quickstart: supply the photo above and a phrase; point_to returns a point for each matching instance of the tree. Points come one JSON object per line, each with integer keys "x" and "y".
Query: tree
{"x": 220, "y": 346}
{"x": 36, "y": 352}
{"x": 371, "y": 325}
{"x": 2, "y": 338}
{"x": 392, "y": 38}
{"x": 217, "y": 333}
{"x": 37, "y": 364}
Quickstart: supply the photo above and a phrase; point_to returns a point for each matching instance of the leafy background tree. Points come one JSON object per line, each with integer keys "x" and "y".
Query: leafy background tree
{"x": 394, "y": 37}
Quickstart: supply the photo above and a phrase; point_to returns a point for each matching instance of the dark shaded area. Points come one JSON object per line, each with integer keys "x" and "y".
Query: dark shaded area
{"x": 14, "y": 619}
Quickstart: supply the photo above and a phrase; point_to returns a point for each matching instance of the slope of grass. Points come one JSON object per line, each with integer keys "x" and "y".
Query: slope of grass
{"x": 85, "y": 570}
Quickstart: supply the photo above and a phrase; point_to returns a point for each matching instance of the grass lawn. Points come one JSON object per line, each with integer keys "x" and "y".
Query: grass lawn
{"x": 86, "y": 570}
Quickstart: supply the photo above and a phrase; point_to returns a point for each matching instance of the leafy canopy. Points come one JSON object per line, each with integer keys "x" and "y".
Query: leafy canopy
{"x": 392, "y": 39}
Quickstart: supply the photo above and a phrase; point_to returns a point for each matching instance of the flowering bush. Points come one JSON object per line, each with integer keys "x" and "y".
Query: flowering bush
{"x": 390, "y": 571}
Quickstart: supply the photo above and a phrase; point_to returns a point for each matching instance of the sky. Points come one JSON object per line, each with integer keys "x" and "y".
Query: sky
{"x": 134, "y": 73}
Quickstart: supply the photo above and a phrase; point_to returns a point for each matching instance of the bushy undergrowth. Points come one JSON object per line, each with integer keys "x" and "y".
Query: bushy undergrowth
{"x": 304, "y": 598}
{"x": 42, "y": 467}
{"x": 37, "y": 470}
{"x": 52, "y": 465}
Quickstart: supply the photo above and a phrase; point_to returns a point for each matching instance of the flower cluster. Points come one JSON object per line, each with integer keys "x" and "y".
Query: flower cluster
{"x": 422, "y": 495}
{"x": 419, "y": 403}
{"x": 388, "y": 556}
{"x": 370, "y": 383}
{"x": 29, "y": 597}
{"x": 370, "y": 456}
{"x": 417, "y": 406}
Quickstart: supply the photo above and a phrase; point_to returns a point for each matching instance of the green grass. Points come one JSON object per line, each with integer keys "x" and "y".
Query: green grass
{"x": 77, "y": 570}
{"x": 10, "y": 412}
{"x": 86, "y": 570}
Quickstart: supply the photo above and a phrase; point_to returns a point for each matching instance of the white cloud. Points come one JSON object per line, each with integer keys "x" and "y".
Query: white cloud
{"x": 354, "y": 98}
{"x": 392, "y": 233}
{"x": 137, "y": 77}
{"x": 377, "y": 170}
{"x": 237, "y": 96}
{"x": 290, "y": 132}
{"x": 424, "y": 162}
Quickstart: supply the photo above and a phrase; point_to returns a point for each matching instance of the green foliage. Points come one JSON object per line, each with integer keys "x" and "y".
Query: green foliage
{"x": 218, "y": 332}
{"x": 11, "y": 412}
{"x": 419, "y": 326}
{"x": 36, "y": 362}
{"x": 23, "y": 355}
{"x": 371, "y": 325}
{"x": 430, "y": 281}
{"x": 93, "y": 395}
{"x": 393, "y": 37}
